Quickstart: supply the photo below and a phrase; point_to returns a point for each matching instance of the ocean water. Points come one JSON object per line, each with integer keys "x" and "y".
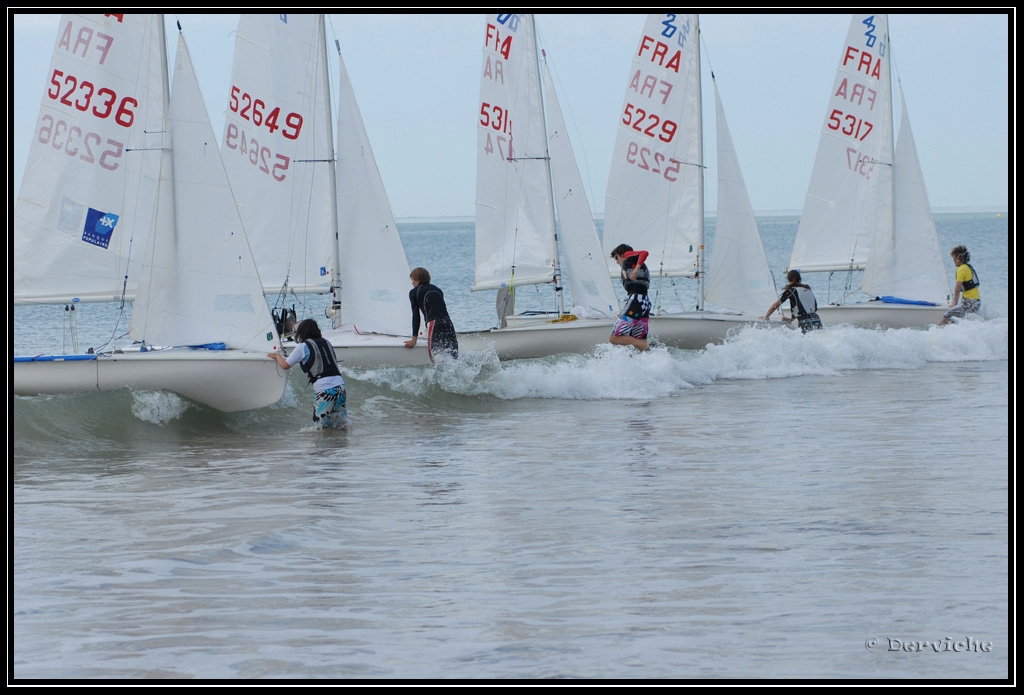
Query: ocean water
{"x": 783, "y": 506}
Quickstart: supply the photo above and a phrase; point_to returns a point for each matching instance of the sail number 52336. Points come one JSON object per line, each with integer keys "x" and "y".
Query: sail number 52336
{"x": 83, "y": 95}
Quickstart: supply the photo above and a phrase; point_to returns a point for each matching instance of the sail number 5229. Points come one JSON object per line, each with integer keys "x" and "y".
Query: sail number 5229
{"x": 649, "y": 124}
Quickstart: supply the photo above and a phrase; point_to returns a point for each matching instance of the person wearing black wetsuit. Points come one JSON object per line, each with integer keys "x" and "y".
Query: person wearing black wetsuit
{"x": 429, "y": 299}
{"x": 803, "y": 306}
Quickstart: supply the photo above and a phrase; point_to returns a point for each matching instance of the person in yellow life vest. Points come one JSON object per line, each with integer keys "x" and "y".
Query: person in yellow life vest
{"x": 966, "y": 296}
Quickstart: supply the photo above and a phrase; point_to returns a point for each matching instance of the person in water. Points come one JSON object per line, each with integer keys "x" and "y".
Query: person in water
{"x": 316, "y": 358}
{"x": 632, "y": 327}
{"x": 802, "y": 304}
{"x": 429, "y": 299}
{"x": 966, "y": 296}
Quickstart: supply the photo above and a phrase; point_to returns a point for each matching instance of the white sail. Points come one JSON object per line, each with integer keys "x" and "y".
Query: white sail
{"x": 278, "y": 149}
{"x": 849, "y": 195}
{"x": 582, "y": 258}
{"x": 654, "y": 199}
{"x": 515, "y": 236}
{"x": 200, "y": 280}
{"x": 84, "y": 211}
{"x": 374, "y": 270}
{"x": 907, "y": 262}
{"x": 739, "y": 276}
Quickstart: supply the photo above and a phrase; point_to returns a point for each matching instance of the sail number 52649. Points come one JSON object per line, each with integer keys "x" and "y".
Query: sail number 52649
{"x": 255, "y": 111}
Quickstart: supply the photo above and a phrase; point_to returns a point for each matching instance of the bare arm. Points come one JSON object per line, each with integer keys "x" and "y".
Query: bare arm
{"x": 281, "y": 361}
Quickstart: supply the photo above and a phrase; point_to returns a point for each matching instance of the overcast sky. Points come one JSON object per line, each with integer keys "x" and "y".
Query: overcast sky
{"x": 417, "y": 81}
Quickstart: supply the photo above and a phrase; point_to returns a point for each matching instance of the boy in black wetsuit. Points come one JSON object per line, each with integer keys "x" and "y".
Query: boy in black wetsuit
{"x": 429, "y": 299}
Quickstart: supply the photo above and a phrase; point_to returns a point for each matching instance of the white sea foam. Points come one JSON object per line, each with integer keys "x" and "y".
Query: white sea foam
{"x": 158, "y": 407}
{"x": 611, "y": 372}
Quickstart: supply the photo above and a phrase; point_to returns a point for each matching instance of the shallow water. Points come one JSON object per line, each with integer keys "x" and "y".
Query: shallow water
{"x": 760, "y": 509}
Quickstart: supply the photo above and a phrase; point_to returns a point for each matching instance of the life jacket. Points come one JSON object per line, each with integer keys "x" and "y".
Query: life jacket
{"x": 974, "y": 281}
{"x": 805, "y": 301}
{"x": 643, "y": 275}
{"x": 320, "y": 360}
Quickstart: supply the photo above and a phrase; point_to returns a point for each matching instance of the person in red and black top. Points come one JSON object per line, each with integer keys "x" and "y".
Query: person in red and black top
{"x": 429, "y": 299}
{"x": 632, "y": 326}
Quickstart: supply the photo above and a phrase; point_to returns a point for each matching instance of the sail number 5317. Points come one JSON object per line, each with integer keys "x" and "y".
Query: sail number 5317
{"x": 848, "y": 124}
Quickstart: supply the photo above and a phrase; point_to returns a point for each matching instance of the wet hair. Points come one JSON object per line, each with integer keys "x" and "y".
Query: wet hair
{"x": 962, "y": 253}
{"x": 420, "y": 275}
{"x": 621, "y": 250}
{"x": 306, "y": 329}
{"x": 793, "y": 277}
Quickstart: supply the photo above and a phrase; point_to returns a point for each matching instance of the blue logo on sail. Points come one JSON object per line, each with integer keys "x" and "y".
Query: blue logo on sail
{"x": 99, "y": 227}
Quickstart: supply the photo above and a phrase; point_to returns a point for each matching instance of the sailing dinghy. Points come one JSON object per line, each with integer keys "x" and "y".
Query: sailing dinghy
{"x": 530, "y": 197}
{"x": 655, "y": 195}
{"x": 118, "y": 164}
{"x": 867, "y": 206}
{"x": 318, "y": 222}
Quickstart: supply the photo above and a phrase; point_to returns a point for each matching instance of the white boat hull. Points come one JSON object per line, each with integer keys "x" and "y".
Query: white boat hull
{"x": 371, "y": 350}
{"x": 876, "y": 314}
{"x": 535, "y": 336}
{"x": 695, "y": 330}
{"x": 226, "y": 380}
{"x": 530, "y": 338}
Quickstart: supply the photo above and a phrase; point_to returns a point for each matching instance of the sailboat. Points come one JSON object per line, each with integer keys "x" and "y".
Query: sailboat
{"x": 318, "y": 223}
{"x": 867, "y": 207}
{"x": 116, "y": 164}
{"x": 526, "y": 178}
{"x": 655, "y": 195}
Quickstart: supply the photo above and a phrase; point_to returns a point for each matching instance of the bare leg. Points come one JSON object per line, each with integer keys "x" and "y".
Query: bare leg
{"x": 638, "y": 343}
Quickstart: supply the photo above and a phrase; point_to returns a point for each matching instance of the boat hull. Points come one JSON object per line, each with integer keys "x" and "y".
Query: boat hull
{"x": 226, "y": 380}
{"x": 540, "y": 338}
{"x": 876, "y": 314}
{"x": 371, "y": 350}
{"x": 696, "y": 330}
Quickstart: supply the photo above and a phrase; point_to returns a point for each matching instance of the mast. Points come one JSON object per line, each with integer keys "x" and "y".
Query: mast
{"x": 700, "y": 180}
{"x": 547, "y": 163}
{"x": 334, "y": 311}
{"x": 892, "y": 133}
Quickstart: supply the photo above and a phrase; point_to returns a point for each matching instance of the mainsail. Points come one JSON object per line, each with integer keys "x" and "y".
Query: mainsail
{"x": 85, "y": 209}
